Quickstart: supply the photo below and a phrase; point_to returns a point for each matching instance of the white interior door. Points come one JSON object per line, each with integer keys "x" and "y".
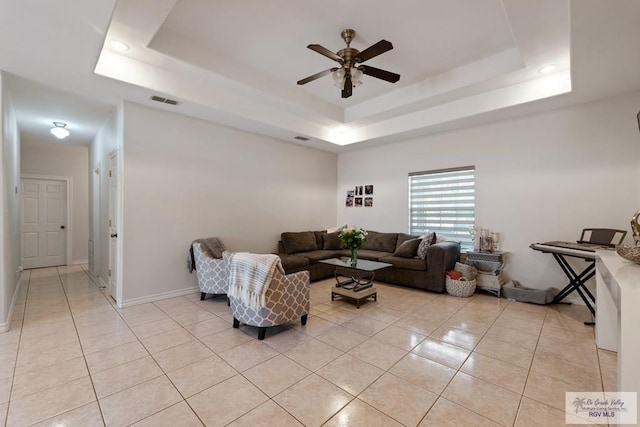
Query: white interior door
{"x": 113, "y": 225}
{"x": 43, "y": 222}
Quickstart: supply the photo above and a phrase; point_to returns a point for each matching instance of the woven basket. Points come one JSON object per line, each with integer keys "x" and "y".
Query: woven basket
{"x": 460, "y": 288}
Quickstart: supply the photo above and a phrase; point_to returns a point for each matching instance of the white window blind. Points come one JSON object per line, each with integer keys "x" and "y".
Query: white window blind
{"x": 443, "y": 201}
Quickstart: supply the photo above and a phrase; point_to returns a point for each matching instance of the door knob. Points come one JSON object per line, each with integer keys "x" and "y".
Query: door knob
{"x": 114, "y": 235}
{"x": 62, "y": 227}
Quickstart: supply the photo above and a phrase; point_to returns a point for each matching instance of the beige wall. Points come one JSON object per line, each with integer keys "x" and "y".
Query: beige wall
{"x": 10, "y": 204}
{"x": 538, "y": 178}
{"x": 184, "y": 178}
{"x": 71, "y": 162}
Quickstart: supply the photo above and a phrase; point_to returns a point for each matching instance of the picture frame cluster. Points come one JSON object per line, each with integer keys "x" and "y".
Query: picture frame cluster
{"x": 361, "y": 195}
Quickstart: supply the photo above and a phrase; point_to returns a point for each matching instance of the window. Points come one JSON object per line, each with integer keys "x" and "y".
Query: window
{"x": 443, "y": 201}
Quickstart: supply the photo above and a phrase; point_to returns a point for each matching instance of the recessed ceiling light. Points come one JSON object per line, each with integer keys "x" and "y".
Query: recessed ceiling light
{"x": 545, "y": 69}
{"x": 118, "y": 45}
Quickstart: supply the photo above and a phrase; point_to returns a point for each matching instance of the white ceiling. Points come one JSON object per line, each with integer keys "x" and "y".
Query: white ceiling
{"x": 236, "y": 63}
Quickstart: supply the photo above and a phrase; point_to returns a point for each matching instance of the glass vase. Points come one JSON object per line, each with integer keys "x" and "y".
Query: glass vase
{"x": 354, "y": 257}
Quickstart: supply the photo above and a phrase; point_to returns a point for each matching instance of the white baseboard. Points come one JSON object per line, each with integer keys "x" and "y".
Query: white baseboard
{"x": 101, "y": 282}
{"x": 4, "y": 326}
{"x": 80, "y": 261}
{"x": 158, "y": 297}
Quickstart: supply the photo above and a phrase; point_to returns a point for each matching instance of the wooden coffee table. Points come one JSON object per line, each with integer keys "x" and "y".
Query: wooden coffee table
{"x": 358, "y": 286}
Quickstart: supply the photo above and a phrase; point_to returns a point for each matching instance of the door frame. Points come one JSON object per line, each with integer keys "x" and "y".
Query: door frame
{"x": 69, "y": 222}
{"x": 96, "y": 201}
{"x": 117, "y": 293}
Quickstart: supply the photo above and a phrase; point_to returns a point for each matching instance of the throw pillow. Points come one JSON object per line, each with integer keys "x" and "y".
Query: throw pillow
{"x": 330, "y": 241}
{"x": 453, "y": 274}
{"x": 336, "y": 229}
{"x": 408, "y": 249}
{"x": 426, "y": 241}
{"x": 440, "y": 238}
{"x": 402, "y": 237}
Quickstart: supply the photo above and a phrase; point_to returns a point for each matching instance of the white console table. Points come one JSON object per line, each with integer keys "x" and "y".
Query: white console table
{"x": 618, "y": 315}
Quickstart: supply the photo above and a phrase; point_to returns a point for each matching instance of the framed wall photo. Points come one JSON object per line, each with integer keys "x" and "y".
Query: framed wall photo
{"x": 349, "y": 201}
{"x": 368, "y": 190}
{"x": 368, "y": 202}
{"x": 358, "y": 190}
{"x": 357, "y": 202}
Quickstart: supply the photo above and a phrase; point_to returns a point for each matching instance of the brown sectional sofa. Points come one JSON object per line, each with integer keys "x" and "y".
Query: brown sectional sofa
{"x": 303, "y": 251}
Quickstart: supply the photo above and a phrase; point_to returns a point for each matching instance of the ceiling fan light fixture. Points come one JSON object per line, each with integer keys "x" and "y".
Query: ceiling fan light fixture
{"x": 349, "y": 75}
{"x": 338, "y": 77}
{"x": 356, "y": 76}
{"x": 59, "y": 130}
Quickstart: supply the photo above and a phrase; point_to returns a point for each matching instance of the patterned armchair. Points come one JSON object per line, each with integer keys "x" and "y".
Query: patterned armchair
{"x": 212, "y": 273}
{"x": 286, "y": 300}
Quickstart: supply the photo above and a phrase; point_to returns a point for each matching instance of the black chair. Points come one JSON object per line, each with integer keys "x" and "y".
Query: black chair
{"x": 602, "y": 236}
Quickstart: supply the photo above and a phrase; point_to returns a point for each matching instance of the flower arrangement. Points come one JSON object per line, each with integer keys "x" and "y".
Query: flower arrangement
{"x": 353, "y": 239}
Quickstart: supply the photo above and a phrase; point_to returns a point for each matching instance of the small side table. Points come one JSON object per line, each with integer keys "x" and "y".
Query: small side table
{"x": 355, "y": 296}
{"x": 490, "y": 266}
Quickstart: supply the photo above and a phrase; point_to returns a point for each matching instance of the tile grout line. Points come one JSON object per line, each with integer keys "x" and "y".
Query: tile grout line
{"x": 81, "y": 347}
{"x": 15, "y": 366}
{"x": 440, "y": 396}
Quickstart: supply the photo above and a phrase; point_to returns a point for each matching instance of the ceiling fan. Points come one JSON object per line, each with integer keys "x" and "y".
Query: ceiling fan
{"x": 349, "y": 74}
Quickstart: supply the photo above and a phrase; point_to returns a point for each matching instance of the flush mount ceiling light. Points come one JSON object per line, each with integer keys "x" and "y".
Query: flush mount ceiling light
{"x": 118, "y": 45}
{"x": 546, "y": 69}
{"x": 350, "y": 72}
{"x": 59, "y": 130}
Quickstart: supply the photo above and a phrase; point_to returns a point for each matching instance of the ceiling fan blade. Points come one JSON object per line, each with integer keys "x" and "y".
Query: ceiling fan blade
{"x": 347, "y": 91}
{"x": 326, "y": 52}
{"x": 381, "y": 47}
{"x": 380, "y": 74}
{"x": 316, "y": 76}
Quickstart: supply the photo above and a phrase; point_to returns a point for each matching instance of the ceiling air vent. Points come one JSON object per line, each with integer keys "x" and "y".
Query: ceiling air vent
{"x": 164, "y": 100}
{"x": 301, "y": 138}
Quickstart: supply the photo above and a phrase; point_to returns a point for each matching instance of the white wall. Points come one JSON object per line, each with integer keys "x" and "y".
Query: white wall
{"x": 64, "y": 161}
{"x": 101, "y": 148}
{"x": 10, "y": 203}
{"x": 184, "y": 179}
{"x": 538, "y": 178}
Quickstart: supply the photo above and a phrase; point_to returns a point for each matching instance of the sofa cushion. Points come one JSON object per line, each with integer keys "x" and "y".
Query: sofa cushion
{"x": 330, "y": 241}
{"x": 384, "y": 242}
{"x": 408, "y": 249}
{"x": 428, "y": 240}
{"x": 370, "y": 255}
{"x": 405, "y": 263}
{"x": 291, "y": 262}
{"x": 319, "y": 235}
{"x": 298, "y": 242}
{"x": 315, "y": 256}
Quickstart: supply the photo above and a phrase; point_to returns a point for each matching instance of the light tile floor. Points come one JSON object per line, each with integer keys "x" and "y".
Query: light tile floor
{"x": 413, "y": 358}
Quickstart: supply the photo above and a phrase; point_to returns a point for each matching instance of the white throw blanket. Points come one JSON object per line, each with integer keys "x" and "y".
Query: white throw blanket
{"x": 250, "y": 276}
